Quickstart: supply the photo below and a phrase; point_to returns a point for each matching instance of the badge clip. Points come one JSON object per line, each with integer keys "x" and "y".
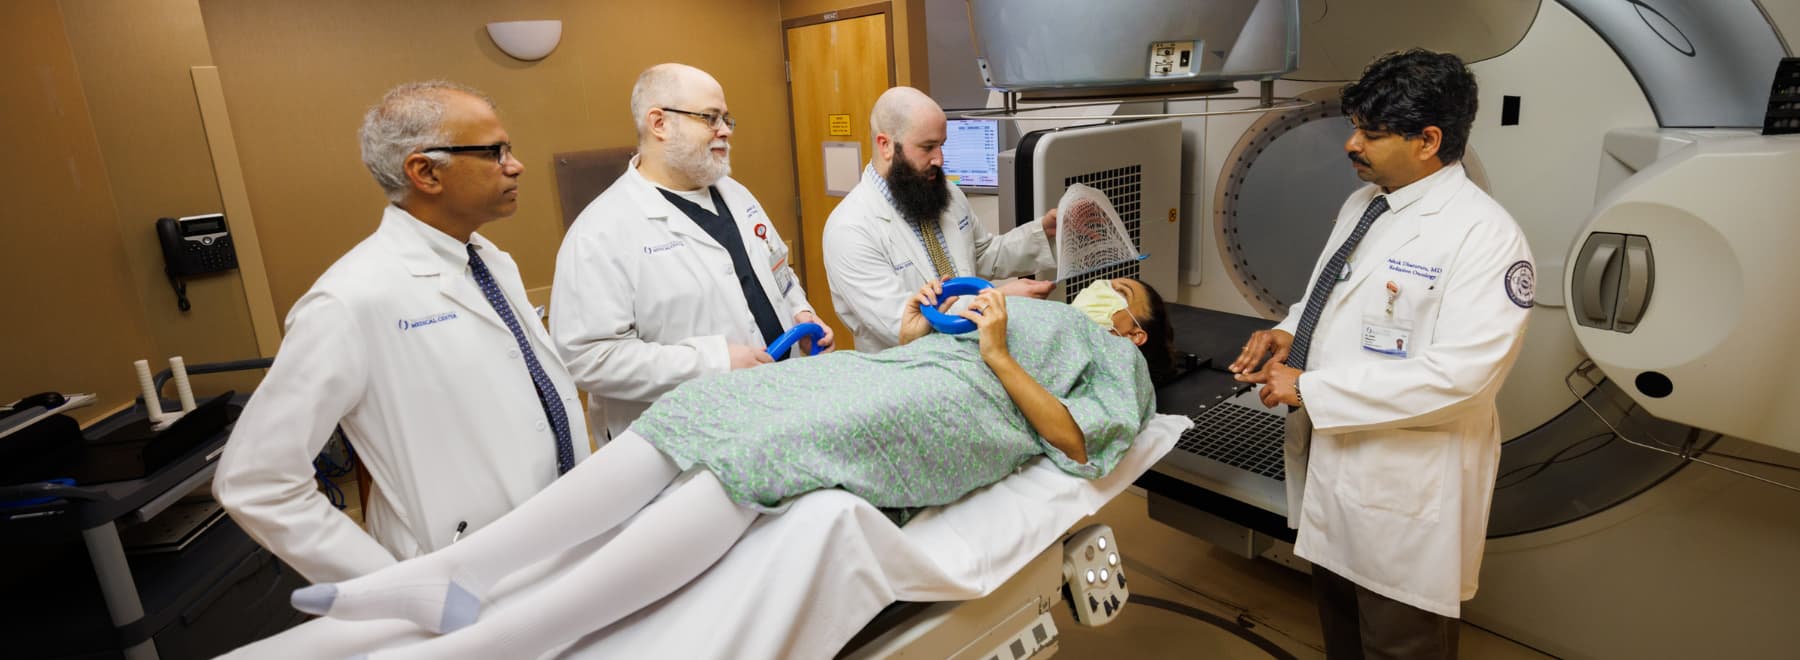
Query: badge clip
{"x": 1393, "y": 294}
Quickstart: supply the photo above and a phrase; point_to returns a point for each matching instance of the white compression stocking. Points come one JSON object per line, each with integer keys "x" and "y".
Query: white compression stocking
{"x": 671, "y": 543}
{"x": 443, "y": 591}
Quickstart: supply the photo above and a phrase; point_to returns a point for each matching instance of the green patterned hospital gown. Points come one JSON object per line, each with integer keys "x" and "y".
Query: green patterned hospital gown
{"x": 915, "y": 425}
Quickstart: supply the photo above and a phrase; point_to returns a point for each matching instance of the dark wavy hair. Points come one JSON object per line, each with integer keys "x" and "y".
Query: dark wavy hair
{"x": 1159, "y": 338}
{"x": 1406, "y": 91}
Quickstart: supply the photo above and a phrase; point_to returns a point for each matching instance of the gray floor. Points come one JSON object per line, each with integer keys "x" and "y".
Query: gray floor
{"x": 1275, "y": 601}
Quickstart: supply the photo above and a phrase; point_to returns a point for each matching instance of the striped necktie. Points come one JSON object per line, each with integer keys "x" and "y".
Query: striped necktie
{"x": 939, "y": 259}
{"x": 1328, "y": 279}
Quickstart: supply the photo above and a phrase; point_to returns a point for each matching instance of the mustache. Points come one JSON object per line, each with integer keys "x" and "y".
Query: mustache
{"x": 1358, "y": 160}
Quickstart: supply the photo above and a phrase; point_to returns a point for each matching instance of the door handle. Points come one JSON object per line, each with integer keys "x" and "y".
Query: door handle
{"x": 1635, "y": 283}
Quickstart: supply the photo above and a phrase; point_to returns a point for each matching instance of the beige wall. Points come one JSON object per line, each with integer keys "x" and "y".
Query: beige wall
{"x": 908, "y": 19}
{"x": 73, "y": 321}
{"x": 111, "y": 138}
{"x": 298, "y": 75}
{"x": 134, "y": 57}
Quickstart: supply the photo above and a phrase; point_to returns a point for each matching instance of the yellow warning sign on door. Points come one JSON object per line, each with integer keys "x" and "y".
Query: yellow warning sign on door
{"x": 840, "y": 124}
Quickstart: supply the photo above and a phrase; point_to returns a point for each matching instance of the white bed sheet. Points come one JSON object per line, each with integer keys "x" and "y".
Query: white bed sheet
{"x": 802, "y": 583}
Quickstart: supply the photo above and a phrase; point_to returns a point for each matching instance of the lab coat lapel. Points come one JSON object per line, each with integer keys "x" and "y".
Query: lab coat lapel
{"x": 1409, "y": 222}
{"x": 1371, "y": 258}
{"x": 645, "y": 195}
{"x": 457, "y": 285}
{"x": 745, "y": 223}
{"x": 955, "y": 241}
{"x": 416, "y": 254}
{"x": 902, "y": 242}
{"x": 516, "y": 297}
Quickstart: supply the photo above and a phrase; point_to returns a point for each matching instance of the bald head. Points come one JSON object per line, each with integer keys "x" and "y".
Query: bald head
{"x": 908, "y": 126}
{"x": 900, "y": 109}
{"x": 669, "y": 85}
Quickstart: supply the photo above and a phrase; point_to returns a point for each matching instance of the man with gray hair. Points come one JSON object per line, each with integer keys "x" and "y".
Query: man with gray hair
{"x": 904, "y": 225}
{"x": 420, "y": 345}
{"x": 675, "y": 272}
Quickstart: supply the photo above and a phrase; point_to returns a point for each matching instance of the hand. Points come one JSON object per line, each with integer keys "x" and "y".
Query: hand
{"x": 989, "y": 314}
{"x": 912, "y": 323}
{"x": 806, "y": 343}
{"x": 1028, "y": 288}
{"x": 1270, "y": 344}
{"x": 1281, "y": 384}
{"x": 1049, "y": 222}
{"x": 744, "y": 357}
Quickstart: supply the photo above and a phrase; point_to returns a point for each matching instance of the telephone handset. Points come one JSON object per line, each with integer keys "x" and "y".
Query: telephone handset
{"x": 194, "y": 245}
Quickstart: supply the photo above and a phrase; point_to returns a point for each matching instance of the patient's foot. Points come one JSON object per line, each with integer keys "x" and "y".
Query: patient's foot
{"x": 420, "y": 590}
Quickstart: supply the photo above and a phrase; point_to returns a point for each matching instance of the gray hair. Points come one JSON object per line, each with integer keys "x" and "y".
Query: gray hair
{"x": 409, "y": 118}
{"x": 656, "y": 87}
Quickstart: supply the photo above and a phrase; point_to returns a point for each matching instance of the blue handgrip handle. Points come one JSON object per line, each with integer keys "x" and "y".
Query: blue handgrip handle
{"x": 955, "y": 286}
{"x": 786, "y": 341}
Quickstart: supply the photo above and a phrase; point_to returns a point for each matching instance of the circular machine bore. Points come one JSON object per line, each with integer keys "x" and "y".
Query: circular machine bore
{"x": 1278, "y": 193}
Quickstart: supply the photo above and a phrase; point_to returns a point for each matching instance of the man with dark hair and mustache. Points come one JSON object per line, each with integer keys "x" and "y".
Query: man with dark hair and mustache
{"x": 904, "y": 225}
{"x": 675, "y": 272}
{"x": 1391, "y": 366}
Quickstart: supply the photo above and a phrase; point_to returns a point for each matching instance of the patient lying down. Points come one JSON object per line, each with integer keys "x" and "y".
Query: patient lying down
{"x": 921, "y": 424}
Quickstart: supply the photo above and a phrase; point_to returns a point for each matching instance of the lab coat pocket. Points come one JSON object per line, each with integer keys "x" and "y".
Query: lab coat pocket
{"x": 1401, "y": 472}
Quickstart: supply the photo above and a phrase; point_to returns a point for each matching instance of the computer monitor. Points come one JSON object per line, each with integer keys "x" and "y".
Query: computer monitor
{"x": 972, "y": 154}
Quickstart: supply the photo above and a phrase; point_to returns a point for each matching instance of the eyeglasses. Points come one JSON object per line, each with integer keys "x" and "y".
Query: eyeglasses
{"x": 499, "y": 151}
{"x": 713, "y": 119}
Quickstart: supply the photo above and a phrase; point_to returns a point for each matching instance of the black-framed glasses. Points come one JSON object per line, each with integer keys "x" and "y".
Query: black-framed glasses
{"x": 499, "y": 151}
{"x": 713, "y": 119}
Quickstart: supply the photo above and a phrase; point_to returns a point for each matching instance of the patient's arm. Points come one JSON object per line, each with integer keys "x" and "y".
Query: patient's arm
{"x": 1047, "y": 414}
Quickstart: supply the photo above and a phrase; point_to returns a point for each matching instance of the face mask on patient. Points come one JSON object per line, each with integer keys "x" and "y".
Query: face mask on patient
{"x": 1100, "y": 302}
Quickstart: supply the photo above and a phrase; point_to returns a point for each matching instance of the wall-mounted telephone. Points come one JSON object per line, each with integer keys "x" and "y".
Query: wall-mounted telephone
{"x": 194, "y": 245}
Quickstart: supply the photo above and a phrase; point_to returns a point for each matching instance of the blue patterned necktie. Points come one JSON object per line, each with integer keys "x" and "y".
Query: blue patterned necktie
{"x": 1328, "y": 279}
{"x": 546, "y": 391}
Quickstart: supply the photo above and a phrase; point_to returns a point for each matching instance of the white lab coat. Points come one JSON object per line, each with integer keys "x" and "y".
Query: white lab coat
{"x": 1395, "y": 491}
{"x": 874, "y": 259}
{"x": 396, "y": 343}
{"x": 644, "y": 300}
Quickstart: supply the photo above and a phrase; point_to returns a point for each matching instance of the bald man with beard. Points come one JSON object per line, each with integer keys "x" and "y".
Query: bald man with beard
{"x": 904, "y": 225}
{"x": 675, "y": 272}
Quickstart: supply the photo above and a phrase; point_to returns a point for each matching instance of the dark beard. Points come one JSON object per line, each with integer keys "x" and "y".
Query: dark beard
{"x": 917, "y": 197}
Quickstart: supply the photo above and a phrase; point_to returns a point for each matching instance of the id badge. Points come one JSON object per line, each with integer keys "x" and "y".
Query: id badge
{"x": 1389, "y": 340}
{"x": 784, "y": 276}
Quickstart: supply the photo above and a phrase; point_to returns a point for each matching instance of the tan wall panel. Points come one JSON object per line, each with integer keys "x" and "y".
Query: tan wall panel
{"x": 72, "y": 321}
{"x": 298, "y": 75}
{"x": 134, "y": 57}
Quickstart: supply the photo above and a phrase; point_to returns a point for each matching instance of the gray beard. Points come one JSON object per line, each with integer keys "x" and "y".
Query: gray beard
{"x": 696, "y": 162}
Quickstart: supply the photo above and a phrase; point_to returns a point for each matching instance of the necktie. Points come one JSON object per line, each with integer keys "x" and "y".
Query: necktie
{"x": 546, "y": 391}
{"x": 1328, "y": 279}
{"x": 939, "y": 259}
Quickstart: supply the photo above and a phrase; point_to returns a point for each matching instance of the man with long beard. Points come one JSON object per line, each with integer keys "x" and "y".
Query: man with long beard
{"x": 675, "y": 271}
{"x": 904, "y": 225}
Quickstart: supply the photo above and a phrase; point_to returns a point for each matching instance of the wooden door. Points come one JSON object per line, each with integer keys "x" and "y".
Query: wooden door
{"x": 836, "y": 70}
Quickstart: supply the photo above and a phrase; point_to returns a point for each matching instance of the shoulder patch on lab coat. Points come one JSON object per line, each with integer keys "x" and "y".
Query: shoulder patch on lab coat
{"x": 1520, "y": 283}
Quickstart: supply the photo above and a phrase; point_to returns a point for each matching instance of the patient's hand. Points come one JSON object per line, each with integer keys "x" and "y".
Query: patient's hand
{"x": 989, "y": 314}
{"x": 912, "y": 323}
